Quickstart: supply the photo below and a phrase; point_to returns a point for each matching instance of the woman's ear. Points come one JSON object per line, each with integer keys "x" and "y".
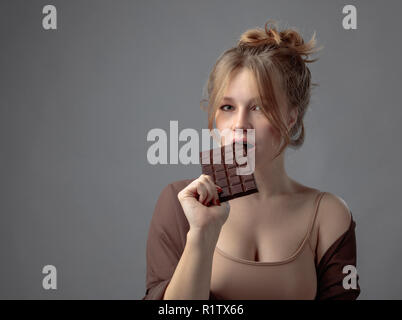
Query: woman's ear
{"x": 292, "y": 118}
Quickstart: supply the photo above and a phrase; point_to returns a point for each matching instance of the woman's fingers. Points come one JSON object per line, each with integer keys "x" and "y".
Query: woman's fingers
{"x": 205, "y": 181}
{"x": 204, "y": 187}
{"x": 212, "y": 189}
{"x": 215, "y": 190}
{"x": 202, "y": 191}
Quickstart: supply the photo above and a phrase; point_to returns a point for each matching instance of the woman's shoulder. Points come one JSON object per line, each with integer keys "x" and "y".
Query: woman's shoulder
{"x": 334, "y": 219}
{"x": 333, "y": 213}
{"x": 179, "y": 185}
{"x": 168, "y": 207}
{"x": 168, "y": 195}
{"x": 332, "y": 209}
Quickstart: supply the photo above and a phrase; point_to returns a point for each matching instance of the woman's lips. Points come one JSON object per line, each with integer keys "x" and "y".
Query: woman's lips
{"x": 243, "y": 142}
{"x": 246, "y": 146}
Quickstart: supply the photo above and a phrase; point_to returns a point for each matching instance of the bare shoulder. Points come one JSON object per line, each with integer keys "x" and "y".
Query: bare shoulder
{"x": 333, "y": 219}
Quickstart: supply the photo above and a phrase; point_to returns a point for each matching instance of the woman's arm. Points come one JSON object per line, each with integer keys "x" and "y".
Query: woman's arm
{"x": 179, "y": 261}
{"x": 166, "y": 240}
{"x": 192, "y": 277}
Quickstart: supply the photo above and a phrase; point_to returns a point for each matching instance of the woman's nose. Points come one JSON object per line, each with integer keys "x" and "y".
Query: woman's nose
{"x": 241, "y": 120}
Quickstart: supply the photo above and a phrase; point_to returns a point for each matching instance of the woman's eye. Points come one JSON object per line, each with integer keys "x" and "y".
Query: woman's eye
{"x": 226, "y": 107}
{"x": 257, "y": 108}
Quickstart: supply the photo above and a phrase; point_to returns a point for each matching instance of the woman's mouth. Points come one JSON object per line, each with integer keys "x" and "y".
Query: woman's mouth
{"x": 243, "y": 141}
{"x": 246, "y": 146}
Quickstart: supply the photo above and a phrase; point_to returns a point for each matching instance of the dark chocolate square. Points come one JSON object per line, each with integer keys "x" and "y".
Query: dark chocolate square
{"x": 224, "y": 173}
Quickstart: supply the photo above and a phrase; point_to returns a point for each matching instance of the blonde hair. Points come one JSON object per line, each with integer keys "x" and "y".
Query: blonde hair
{"x": 269, "y": 54}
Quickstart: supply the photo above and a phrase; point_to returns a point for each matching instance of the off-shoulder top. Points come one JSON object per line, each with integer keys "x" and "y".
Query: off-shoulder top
{"x": 296, "y": 277}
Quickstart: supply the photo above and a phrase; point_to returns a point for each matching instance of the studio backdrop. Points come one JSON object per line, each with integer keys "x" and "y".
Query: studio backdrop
{"x": 83, "y": 83}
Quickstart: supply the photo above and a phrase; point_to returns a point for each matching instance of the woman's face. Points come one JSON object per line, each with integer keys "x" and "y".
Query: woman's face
{"x": 239, "y": 111}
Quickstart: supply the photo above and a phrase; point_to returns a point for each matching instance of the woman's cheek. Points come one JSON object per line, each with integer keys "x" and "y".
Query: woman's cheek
{"x": 273, "y": 134}
{"x": 222, "y": 125}
{"x": 218, "y": 120}
{"x": 266, "y": 139}
{"x": 223, "y": 122}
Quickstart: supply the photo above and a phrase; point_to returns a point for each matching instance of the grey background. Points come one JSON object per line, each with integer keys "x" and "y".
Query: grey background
{"x": 76, "y": 104}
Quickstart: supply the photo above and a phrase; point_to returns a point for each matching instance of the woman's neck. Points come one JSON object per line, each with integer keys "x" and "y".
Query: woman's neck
{"x": 272, "y": 179}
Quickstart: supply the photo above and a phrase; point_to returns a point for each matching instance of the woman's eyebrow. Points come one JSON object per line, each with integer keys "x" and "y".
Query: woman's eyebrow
{"x": 255, "y": 99}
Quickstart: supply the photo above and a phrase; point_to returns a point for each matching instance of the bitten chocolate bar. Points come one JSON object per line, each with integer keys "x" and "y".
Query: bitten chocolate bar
{"x": 220, "y": 164}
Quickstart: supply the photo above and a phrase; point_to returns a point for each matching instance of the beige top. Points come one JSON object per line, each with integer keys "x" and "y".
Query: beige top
{"x": 296, "y": 277}
{"x": 292, "y": 278}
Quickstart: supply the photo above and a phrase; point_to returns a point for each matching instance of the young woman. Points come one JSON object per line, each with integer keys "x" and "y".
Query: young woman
{"x": 288, "y": 240}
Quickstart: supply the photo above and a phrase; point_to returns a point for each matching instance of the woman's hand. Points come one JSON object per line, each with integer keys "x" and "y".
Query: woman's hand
{"x": 201, "y": 206}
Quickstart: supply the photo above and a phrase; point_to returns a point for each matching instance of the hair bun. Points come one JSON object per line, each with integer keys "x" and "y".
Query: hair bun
{"x": 271, "y": 37}
{"x": 256, "y": 37}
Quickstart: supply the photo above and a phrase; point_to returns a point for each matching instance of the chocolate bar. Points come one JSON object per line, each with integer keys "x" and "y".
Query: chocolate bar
{"x": 221, "y": 165}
